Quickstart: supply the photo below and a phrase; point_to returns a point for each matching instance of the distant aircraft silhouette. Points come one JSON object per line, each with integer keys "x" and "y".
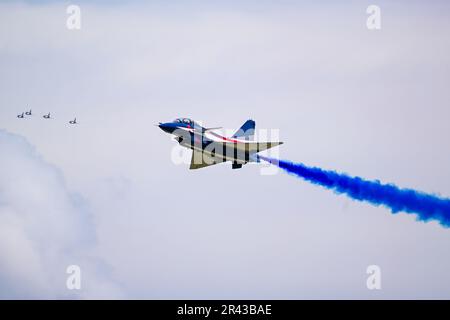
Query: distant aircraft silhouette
{"x": 28, "y": 113}
{"x": 46, "y": 116}
{"x": 74, "y": 121}
{"x": 20, "y": 116}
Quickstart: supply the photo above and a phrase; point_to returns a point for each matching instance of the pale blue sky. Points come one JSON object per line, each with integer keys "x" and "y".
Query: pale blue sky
{"x": 370, "y": 103}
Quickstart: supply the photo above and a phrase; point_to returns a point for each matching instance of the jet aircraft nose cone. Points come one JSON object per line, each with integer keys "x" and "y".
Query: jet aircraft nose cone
{"x": 167, "y": 127}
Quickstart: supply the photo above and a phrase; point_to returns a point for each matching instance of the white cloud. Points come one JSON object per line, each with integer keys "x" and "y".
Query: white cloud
{"x": 43, "y": 229}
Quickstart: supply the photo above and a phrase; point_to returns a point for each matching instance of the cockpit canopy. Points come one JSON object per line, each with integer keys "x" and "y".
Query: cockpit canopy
{"x": 184, "y": 120}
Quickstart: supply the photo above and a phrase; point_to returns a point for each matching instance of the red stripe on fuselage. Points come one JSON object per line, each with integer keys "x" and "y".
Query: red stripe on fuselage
{"x": 223, "y": 138}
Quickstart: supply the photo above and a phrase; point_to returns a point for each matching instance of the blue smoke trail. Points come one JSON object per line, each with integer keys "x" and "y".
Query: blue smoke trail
{"x": 426, "y": 206}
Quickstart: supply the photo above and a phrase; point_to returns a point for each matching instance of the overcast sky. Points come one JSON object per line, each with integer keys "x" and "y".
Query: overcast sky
{"x": 106, "y": 195}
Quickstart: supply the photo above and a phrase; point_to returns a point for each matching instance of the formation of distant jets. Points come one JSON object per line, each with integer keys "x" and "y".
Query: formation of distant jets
{"x": 45, "y": 116}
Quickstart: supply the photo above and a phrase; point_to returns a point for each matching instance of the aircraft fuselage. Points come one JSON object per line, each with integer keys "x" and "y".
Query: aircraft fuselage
{"x": 213, "y": 147}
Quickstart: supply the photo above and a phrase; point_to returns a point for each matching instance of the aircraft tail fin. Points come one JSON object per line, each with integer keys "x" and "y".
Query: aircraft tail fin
{"x": 247, "y": 130}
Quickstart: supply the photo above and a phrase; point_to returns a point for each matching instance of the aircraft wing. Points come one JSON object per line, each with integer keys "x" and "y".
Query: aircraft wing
{"x": 202, "y": 160}
{"x": 250, "y": 147}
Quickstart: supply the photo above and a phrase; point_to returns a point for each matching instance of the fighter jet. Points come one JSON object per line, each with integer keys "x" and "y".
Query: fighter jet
{"x": 46, "y": 116}
{"x": 21, "y": 116}
{"x": 210, "y": 148}
{"x": 28, "y": 113}
{"x": 74, "y": 121}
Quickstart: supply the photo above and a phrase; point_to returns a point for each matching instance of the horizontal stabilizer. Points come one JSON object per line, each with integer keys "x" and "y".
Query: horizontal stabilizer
{"x": 256, "y": 147}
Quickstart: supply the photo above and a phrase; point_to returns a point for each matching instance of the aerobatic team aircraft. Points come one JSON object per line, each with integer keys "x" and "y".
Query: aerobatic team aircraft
{"x": 45, "y": 116}
{"x": 210, "y": 148}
